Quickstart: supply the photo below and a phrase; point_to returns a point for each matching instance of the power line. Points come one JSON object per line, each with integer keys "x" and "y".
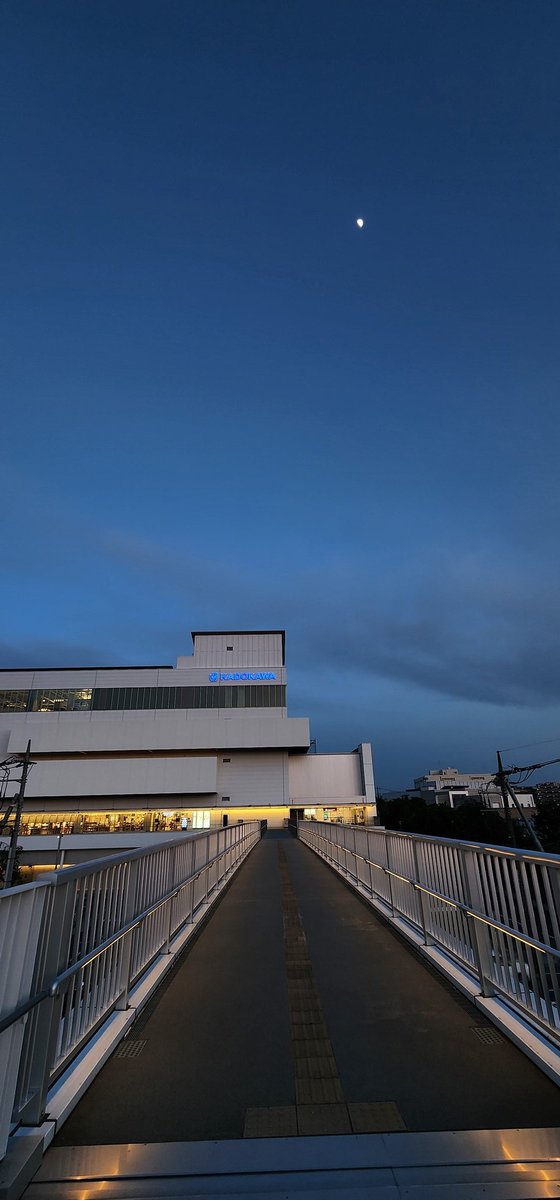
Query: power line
{"x": 532, "y": 767}
{"x": 526, "y": 745}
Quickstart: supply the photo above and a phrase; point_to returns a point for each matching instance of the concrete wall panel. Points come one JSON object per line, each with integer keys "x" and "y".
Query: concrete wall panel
{"x": 162, "y": 730}
{"x": 322, "y": 777}
{"x": 124, "y": 776}
{"x": 256, "y": 778}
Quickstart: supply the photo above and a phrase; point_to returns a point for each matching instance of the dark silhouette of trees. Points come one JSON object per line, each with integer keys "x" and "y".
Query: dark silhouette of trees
{"x": 470, "y": 822}
{"x": 547, "y": 823}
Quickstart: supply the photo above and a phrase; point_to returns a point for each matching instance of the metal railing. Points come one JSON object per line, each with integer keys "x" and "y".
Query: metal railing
{"x": 74, "y": 944}
{"x": 493, "y": 910}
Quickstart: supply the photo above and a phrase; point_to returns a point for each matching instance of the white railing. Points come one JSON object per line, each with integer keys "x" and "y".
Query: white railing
{"x": 74, "y": 944}
{"x": 492, "y": 910}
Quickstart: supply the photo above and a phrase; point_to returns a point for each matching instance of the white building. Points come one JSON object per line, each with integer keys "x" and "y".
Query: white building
{"x": 453, "y": 787}
{"x": 203, "y": 743}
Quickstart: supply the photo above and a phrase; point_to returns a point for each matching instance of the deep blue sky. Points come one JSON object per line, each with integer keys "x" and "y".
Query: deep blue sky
{"x": 226, "y": 406}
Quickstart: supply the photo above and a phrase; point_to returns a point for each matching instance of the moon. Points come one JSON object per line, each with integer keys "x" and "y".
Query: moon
{"x": 360, "y": 222}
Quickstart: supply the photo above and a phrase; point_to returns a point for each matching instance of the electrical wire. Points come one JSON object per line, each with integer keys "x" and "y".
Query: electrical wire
{"x": 527, "y": 745}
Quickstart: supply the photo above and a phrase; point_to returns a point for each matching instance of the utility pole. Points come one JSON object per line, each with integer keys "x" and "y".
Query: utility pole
{"x": 501, "y": 778}
{"x": 11, "y": 860}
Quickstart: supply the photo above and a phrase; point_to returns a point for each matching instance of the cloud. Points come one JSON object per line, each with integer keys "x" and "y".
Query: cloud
{"x": 58, "y": 654}
{"x": 484, "y": 635}
{"x": 464, "y": 626}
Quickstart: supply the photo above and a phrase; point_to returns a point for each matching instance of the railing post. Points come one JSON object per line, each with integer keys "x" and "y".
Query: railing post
{"x": 424, "y": 899}
{"x": 193, "y": 881}
{"x": 355, "y": 853}
{"x": 126, "y": 953}
{"x": 369, "y": 859}
{"x": 388, "y": 865}
{"x": 172, "y": 875}
{"x": 24, "y": 912}
{"x": 206, "y": 869}
{"x": 480, "y": 933}
{"x": 43, "y": 1025}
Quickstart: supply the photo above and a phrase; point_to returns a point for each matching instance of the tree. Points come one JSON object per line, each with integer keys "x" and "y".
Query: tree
{"x": 547, "y": 822}
{"x": 17, "y": 876}
{"x": 471, "y": 822}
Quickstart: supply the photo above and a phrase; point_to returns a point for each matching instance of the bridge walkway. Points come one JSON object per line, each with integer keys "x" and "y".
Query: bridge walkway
{"x": 298, "y": 1012}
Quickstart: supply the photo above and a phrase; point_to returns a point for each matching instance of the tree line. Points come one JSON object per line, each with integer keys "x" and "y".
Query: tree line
{"x": 470, "y": 822}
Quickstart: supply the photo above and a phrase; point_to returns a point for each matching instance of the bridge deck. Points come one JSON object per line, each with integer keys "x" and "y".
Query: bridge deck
{"x": 299, "y": 1012}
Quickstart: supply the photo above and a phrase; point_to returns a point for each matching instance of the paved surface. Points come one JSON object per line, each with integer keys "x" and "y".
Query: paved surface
{"x": 298, "y": 1011}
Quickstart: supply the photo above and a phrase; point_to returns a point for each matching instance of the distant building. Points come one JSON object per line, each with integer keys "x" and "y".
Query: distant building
{"x": 161, "y": 748}
{"x": 547, "y": 792}
{"x": 455, "y": 788}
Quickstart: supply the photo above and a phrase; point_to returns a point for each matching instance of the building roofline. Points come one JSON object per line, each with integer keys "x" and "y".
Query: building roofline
{"x": 35, "y": 670}
{"x": 236, "y": 632}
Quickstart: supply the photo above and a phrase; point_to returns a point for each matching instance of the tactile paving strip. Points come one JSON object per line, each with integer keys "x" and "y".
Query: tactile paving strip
{"x": 320, "y": 1106}
{"x": 130, "y": 1048}
{"x": 487, "y": 1034}
{"x": 316, "y": 1073}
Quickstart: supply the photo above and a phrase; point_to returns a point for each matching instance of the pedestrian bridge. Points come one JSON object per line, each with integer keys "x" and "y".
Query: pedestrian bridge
{"x": 348, "y": 1012}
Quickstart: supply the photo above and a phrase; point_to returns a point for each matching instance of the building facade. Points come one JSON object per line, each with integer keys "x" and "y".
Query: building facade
{"x": 454, "y": 788}
{"x": 203, "y": 743}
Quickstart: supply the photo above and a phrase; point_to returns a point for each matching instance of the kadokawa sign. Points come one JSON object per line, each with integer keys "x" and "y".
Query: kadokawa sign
{"x": 239, "y": 676}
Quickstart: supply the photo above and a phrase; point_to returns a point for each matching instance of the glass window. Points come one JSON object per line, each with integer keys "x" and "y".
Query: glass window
{"x": 201, "y": 819}
{"x": 62, "y": 700}
{"x": 79, "y": 699}
{"x": 110, "y": 699}
{"x": 13, "y": 701}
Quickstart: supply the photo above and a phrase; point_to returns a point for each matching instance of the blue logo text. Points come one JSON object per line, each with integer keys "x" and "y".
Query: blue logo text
{"x": 235, "y": 676}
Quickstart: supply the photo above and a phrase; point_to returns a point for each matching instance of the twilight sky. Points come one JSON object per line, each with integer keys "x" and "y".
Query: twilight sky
{"x": 227, "y": 407}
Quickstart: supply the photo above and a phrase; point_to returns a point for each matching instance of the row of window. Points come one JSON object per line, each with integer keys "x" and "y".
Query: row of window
{"x": 262, "y": 695}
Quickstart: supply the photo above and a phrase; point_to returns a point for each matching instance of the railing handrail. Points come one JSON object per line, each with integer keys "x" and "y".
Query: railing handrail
{"x": 507, "y": 851}
{"x": 116, "y": 916}
{"x": 110, "y": 860}
{"x": 137, "y": 852}
{"x": 94, "y": 953}
{"x": 467, "y": 909}
{"x": 493, "y": 910}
